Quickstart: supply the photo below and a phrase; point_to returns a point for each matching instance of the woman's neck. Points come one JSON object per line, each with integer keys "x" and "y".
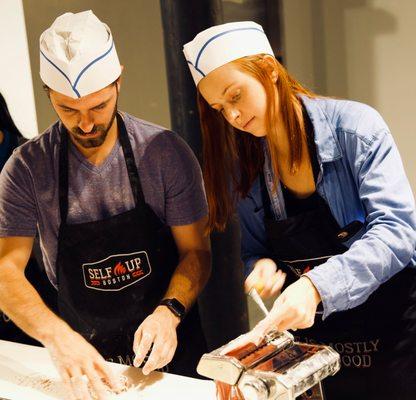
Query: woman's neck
{"x": 301, "y": 181}
{"x": 283, "y": 142}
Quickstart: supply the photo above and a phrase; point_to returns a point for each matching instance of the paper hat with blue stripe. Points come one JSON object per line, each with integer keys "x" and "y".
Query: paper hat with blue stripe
{"x": 77, "y": 55}
{"x": 221, "y": 44}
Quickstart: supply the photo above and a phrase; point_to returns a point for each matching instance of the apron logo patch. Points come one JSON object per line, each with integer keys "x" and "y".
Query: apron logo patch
{"x": 116, "y": 272}
{"x": 353, "y": 354}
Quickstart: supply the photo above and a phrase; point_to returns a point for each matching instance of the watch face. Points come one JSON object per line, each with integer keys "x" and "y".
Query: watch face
{"x": 175, "y": 306}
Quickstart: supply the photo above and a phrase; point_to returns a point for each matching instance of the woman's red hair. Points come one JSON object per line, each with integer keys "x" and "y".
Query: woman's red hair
{"x": 232, "y": 159}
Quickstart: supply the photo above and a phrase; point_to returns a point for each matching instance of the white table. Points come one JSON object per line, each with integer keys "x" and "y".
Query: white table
{"x": 27, "y": 372}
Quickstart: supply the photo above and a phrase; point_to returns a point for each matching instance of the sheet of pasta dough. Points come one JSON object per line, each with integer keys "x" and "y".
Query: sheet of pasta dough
{"x": 27, "y": 372}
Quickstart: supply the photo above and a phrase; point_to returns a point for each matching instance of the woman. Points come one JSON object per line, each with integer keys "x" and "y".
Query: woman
{"x": 323, "y": 201}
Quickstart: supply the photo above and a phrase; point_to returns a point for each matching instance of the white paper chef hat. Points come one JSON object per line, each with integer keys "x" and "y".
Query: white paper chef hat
{"x": 221, "y": 44}
{"x": 77, "y": 55}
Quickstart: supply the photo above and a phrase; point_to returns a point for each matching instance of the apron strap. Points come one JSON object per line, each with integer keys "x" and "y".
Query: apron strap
{"x": 131, "y": 166}
{"x": 265, "y": 198}
{"x": 63, "y": 175}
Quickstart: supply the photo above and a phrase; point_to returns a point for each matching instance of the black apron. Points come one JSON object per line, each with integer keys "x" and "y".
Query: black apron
{"x": 376, "y": 340}
{"x": 112, "y": 273}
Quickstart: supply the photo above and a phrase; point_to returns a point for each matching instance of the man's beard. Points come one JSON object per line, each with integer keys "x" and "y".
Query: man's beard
{"x": 88, "y": 143}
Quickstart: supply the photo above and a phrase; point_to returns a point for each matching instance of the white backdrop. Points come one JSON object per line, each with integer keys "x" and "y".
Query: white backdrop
{"x": 15, "y": 73}
{"x": 362, "y": 50}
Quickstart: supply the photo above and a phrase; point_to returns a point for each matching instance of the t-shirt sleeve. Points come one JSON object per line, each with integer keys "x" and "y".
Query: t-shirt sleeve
{"x": 18, "y": 216}
{"x": 185, "y": 200}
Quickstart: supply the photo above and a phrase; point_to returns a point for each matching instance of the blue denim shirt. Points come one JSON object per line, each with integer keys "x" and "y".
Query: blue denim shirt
{"x": 361, "y": 178}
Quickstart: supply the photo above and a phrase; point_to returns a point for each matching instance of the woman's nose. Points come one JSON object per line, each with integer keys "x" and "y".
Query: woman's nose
{"x": 234, "y": 115}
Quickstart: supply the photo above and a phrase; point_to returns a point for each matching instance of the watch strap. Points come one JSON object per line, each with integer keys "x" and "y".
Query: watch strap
{"x": 175, "y": 306}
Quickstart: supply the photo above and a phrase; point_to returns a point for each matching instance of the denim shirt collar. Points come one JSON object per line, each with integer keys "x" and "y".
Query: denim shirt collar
{"x": 328, "y": 148}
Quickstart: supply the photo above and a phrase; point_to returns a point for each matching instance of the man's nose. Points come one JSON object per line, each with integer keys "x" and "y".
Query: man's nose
{"x": 86, "y": 123}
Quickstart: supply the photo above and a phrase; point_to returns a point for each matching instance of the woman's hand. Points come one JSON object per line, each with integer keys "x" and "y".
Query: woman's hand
{"x": 294, "y": 309}
{"x": 264, "y": 277}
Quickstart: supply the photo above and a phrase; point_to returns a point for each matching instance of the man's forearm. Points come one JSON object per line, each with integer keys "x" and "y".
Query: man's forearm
{"x": 23, "y": 305}
{"x": 190, "y": 277}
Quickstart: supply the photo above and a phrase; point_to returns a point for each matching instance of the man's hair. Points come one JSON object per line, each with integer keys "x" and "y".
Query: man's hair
{"x": 47, "y": 89}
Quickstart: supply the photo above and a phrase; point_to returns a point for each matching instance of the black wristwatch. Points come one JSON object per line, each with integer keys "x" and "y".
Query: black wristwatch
{"x": 175, "y": 306}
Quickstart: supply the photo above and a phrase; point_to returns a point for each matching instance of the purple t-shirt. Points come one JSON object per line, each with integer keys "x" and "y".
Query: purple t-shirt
{"x": 169, "y": 173}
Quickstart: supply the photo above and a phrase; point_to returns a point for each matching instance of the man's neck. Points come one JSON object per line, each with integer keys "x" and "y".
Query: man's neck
{"x": 97, "y": 155}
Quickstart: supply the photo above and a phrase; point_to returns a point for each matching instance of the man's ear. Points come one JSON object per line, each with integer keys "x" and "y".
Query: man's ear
{"x": 119, "y": 79}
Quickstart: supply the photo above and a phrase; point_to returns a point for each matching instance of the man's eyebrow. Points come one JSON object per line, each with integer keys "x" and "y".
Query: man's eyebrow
{"x": 64, "y": 106}
{"x": 92, "y": 108}
{"x": 100, "y": 105}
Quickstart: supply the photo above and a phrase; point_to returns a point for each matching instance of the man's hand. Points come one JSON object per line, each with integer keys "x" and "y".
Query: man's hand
{"x": 158, "y": 329}
{"x": 265, "y": 279}
{"x": 187, "y": 282}
{"x": 82, "y": 369}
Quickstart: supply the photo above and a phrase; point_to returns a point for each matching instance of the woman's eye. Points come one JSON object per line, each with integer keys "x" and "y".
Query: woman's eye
{"x": 67, "y": 110}
{"x": 236, "y": 97}
{"x": 100, "y": 107}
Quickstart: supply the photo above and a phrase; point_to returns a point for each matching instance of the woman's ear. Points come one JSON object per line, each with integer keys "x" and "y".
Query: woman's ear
{"x": 271, "y": 66}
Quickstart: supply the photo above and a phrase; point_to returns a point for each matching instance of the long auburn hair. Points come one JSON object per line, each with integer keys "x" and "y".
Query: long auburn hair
{"x": 232, "y": 159}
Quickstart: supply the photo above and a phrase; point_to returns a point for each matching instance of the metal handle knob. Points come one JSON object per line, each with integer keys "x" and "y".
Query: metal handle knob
{"x": 256, "y": 389}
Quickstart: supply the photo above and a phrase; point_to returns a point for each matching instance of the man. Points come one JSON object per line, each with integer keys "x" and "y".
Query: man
{"x": 121, "y": 214}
